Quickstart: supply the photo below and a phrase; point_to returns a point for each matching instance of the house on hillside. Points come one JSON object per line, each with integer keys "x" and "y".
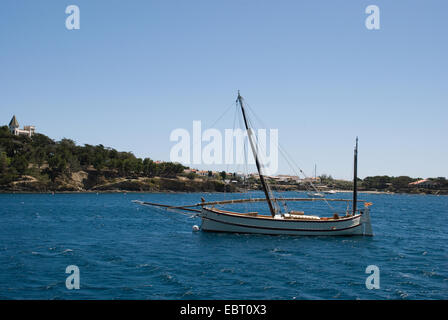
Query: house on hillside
{"x": 424, "y": 183}
{"x": 14, "y": 128}
{"x": 202, "y": 173}
{"x": 310, "y": 180}
{"x": 287, "y": 178}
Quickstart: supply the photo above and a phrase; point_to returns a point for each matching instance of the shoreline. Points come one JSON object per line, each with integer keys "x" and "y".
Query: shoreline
{"x": 201, "y": 192}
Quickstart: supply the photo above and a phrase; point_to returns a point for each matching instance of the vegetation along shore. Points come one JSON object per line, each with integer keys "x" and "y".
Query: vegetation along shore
{"x": 37, "y": 163}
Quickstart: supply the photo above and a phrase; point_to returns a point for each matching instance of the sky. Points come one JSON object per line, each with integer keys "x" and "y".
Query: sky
{"x": 137, "y": 70}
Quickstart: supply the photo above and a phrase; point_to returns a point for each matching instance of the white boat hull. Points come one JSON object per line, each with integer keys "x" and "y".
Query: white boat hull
{"x": 218, "y": 221}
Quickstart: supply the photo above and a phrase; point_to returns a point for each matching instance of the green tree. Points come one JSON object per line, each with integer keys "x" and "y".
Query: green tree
{"x": 377, "y": 182}
{"x": 3, "y": 162}
{"x": 20, "y": 163}
{"x": 191, "y": 175}
{"x": 223, "y": 175}
{"x": 401, "y": 182}
{"x": 149, "y": 167}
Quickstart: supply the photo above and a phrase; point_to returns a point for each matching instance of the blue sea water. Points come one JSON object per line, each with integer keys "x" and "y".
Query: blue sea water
{"x": 127, "y": 251}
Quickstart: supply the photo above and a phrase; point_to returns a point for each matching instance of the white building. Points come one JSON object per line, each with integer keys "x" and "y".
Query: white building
{"x": 14, "y": 127}
{"x": 425, "y": 183}
{"x": 287, "y": 178}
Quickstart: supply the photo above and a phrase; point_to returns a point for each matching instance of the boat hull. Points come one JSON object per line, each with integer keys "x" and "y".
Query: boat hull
{"x": 217, "y": 221}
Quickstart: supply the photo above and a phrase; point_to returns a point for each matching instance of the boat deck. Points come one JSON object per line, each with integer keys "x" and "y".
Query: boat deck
{"x": 298, "y": 216}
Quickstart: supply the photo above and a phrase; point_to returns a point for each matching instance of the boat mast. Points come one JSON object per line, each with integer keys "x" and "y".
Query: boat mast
{"x": 254, "y": 151}
{"x": 355, "y": 176}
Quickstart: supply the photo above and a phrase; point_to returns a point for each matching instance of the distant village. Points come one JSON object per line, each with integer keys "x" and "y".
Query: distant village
{"x": 324, "y": 183}
{"x": 236, "y": 176}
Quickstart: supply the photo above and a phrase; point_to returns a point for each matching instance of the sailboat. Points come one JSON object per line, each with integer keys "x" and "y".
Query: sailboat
{"x": 312, "y": 194}
{"x": 356, "y": 221}
{"x": 316, "y": 193}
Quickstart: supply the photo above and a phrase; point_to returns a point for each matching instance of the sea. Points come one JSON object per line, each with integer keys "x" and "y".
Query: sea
{"x": 123, "y": 250}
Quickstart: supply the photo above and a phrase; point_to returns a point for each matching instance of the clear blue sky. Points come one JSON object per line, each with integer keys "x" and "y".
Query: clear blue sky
{"x": 136, "y": 70}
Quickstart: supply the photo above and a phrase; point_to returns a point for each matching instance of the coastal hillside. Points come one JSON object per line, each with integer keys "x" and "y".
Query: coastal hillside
{"x": 39, "y": 164}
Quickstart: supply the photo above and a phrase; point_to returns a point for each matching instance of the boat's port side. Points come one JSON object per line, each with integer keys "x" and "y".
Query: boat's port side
{"x": 217, "y": 221}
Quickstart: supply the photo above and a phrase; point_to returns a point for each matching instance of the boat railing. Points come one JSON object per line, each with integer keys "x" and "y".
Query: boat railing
{"x": 234, "y": 201}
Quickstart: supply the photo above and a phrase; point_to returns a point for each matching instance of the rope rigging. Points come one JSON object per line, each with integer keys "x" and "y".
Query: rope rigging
{"x": 292, "y": 165}
{"x": 259, "y": 149}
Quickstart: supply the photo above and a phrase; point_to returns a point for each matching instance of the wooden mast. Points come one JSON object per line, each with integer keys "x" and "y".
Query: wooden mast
{"x": 254, "y": 151}
{"x": 355, "y": 176}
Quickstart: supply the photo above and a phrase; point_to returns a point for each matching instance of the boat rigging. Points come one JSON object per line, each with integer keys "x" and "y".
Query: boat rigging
{"x": 289, "y": 222}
